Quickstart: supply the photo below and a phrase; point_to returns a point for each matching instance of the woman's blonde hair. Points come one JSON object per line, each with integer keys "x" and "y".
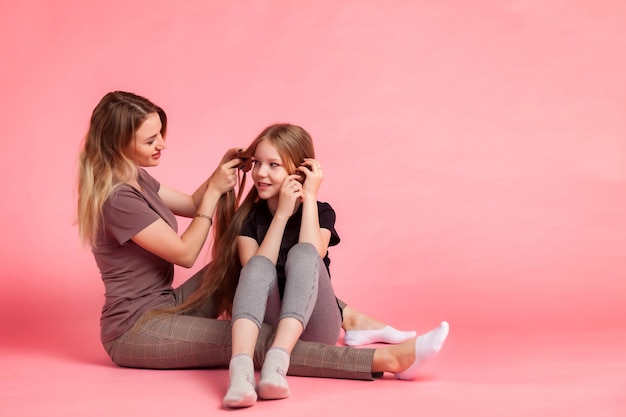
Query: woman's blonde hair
{"x": 102, "y": 163}
{"x": 293, "y": 144}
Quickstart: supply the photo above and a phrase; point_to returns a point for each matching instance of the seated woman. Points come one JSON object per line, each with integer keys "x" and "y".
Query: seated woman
{"x": 129, "y": 220}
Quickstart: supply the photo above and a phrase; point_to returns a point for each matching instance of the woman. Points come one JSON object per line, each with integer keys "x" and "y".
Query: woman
{"x": 128, "y": 218}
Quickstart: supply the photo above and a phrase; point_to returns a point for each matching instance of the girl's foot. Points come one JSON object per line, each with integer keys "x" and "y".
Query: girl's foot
{"x": 273, "y": 384}
{"x": 241, "y": 388}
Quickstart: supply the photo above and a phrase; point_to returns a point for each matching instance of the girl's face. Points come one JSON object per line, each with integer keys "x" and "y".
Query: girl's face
{"x": 268, "y": 171}
{"x": 145, "y": 148}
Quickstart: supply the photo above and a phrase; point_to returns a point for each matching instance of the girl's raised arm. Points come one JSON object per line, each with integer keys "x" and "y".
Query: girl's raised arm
{"x": 310, "y": 230}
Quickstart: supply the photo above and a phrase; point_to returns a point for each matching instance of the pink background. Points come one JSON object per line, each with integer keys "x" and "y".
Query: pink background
{"x": 474, "y": 151}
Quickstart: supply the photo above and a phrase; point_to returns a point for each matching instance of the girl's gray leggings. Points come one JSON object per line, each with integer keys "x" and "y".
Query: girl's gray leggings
{"x": 308, "y": 296}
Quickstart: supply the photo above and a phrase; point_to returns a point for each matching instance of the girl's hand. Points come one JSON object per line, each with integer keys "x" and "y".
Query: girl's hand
{"x": 290, "y": 192}
{"x": 313, "y": 177}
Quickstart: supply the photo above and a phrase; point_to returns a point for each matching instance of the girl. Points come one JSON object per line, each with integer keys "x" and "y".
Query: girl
{"x": 128, "y": 219}
{"x": 283, "y": 250}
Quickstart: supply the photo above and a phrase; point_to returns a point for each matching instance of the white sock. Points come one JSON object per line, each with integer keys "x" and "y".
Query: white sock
{"x": 273, "y": 384}
{"x": 385, "y": 335}
{"x": 241, "y": 387}
{"x": 426, "y": 347}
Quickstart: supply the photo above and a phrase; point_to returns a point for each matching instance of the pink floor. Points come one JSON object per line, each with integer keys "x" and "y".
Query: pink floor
{"x": 545, "y": 371}
{"x": 504, "y": 375}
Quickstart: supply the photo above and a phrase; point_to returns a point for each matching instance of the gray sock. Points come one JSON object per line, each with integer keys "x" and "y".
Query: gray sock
{"x": 273, "y": 385}
{"x": 241, "y": 387}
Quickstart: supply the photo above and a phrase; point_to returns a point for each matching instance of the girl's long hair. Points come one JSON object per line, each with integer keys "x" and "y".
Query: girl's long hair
{"x": 102, "y": 163}
{"x": 293, "y": 144}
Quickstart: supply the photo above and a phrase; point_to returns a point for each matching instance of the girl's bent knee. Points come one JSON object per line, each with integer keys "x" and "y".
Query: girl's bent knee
{"x": 260, "y": 262}
{"x": 303, "y": 250}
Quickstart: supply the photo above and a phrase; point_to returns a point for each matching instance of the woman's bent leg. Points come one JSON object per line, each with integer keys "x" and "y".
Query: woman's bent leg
{"x": 198, "y": 340}
{"x": 179, "y": 342}
{"x": 168, "y": 341}
{"x": 209, "y": 309}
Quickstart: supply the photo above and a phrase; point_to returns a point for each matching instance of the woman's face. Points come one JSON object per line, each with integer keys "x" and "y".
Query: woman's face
{"x": 145, "y": 148}
{"x": 268, "y": 171}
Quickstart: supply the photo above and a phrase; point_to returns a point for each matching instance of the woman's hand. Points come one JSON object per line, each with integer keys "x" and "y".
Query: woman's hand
{"x": 290, "y": 192}
{"x": 313, "y": 177}
{"x": 224, "y": 178}
{"x": 231, "y": 154}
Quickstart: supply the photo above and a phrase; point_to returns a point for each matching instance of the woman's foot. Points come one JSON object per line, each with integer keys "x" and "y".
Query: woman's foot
{"x": 426, "y": 347}
{"x": 406, "y": 359}
{"x": 355, "y": 320}
{"x": 361, "y": 329}
{"x": 385, "y": 335}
